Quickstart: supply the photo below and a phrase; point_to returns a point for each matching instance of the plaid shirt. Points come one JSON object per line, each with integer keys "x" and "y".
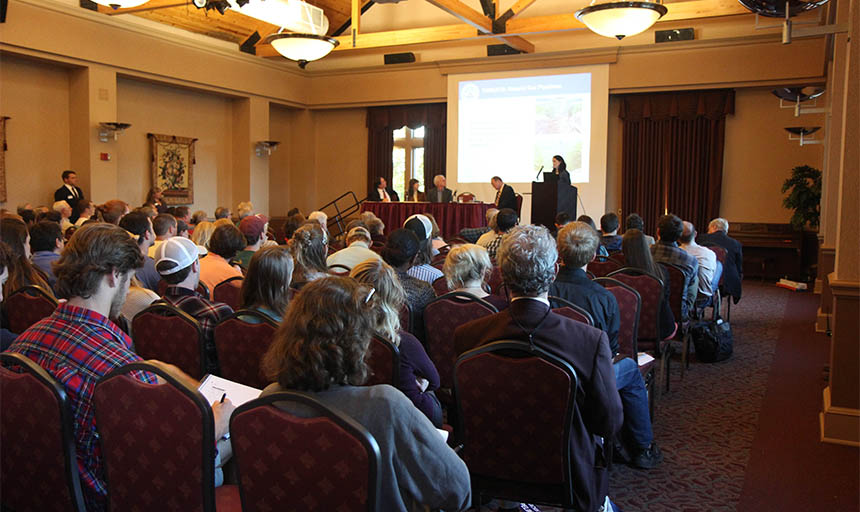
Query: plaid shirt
{"x": 669, "y": 252}
{"x": 493, "y": 246}
{"x": 78, "y": 346}
{"x": 206, "y": 312}
{"x": 471, "y": 235}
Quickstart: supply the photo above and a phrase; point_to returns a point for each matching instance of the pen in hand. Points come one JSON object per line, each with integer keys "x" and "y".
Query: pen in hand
{"x": 223, "y": 397}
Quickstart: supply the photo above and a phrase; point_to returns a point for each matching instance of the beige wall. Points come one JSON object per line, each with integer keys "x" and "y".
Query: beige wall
{"x": 167, "y": 110}
{"x": 35, "y": 96}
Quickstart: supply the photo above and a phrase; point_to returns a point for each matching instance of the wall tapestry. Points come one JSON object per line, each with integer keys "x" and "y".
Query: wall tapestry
{"x": 173, "y": 167}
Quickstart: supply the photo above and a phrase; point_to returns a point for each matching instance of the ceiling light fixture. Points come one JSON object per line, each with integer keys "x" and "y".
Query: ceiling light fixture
{"x": 302, "y": 48}
{"x": 120, "y": 4}
{"x": 621, "y": 19}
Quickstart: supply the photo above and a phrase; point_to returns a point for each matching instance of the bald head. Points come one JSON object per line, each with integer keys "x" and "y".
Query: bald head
{"x": 689, "y": 233}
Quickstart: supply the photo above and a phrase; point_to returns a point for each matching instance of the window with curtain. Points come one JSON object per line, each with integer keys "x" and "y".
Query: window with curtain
{"x": 407, "y": 158}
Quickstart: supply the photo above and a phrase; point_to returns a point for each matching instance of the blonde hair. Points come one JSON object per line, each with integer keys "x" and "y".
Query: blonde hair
{"x": 222, "y": 222}
{"x": 466, "y": 263}
{"x": 388, "y": 299}
{"x": 203, "y": 232}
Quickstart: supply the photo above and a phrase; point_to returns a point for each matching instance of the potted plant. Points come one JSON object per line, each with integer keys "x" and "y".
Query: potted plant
{"x": 804, "y": 196}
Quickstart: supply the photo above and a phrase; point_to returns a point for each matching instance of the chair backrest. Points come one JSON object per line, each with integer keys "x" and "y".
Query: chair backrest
{"x": 202, "y": 289}
{"x": 338, "y": 269}
{"x": 495, "y": 281}
{"x": 383, "y": 359}
{"x": 534, "y": 448}
{"x": 719, "y": 251}
{"x": 569, "y": 309}
{"x": 602, "y": 268}
{"x": 676, "y": 289}
{"x": 406, "y": 317}
{"x": 442, "y": 316}
{"x": 618, "y": 257}
{"x": 650, "y": 289}
{"x": 229, "y": 291}
{"x": 161, "y": 288}
{"x": 519, "y": 198}
{"x": 339, "y": 465}
{"x": 465, "y": 197}
{"x": 38, "y": 470}
{"x": 241, "y": 340}
{"x": 629, "y": 307}
{"x": 167, "y": 333}
{"x": 139, "y": 424}
{"x": 440, "y": 286}
{"x": 27, "y": 305}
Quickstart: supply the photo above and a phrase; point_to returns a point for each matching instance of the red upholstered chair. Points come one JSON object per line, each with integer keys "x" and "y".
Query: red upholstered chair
{"x": 158, "y": 444}
{"x": 519, "y": 205}
{"x": 676, "y": 296}
{"x": 319, "y": 460}
{"x": 650, "y": 290}
{"x": 38, "y": 471}
{"x": 169, "y": 334}
{"x": 466, "y": 197}
{"x": 618, "y": 257}
{"x": 406, "y": 317}
{"x": 442, "y": 316}
{"x": 241, "y": 340}
{"x": 229, "y": 291}
{"x": 383, "y": 359}
{"x": 527, "y": 457}
{"x": 440, "y": 286}
{"x": 495, "y": 281}
{"x": 569, "y": 309}
{"x": 27, "y": 305}
{"x": 602, "y": 267}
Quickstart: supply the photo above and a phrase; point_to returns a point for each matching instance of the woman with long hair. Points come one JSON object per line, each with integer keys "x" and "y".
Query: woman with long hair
{"x": 21, "y": 271}
{"x": 418, "y": 376}
{"x": 309, "y": 247}
{"x": 559, "y": 167}
{"x": 266, "y": 287}
{"x": 467, "y": 268}
{"x": 637, "y": 254}
{"x": 203, "y": 233}
{"x": 320, "y": 350}
{"x": 412, "y": 192}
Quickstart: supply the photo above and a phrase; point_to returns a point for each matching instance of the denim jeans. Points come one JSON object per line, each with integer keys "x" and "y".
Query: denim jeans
{"x": 634, "y": 400}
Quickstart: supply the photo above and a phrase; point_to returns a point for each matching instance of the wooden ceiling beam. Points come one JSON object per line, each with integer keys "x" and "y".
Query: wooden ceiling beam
{"x": 149, "y": 6}
{"x": 465, "y": 13}
{"x": 355, "y": 17}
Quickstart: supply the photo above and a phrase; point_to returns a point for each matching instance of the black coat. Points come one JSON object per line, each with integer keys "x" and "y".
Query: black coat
{"x": 508, "y": 199}
{"x": 64, "y": 194}
{"x": 733, "y": 269}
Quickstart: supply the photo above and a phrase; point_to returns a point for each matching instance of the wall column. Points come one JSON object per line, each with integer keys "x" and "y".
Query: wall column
{"x": 250, "y": 178}
{"x": 92, "y": 100}
{"x": 840, "y": 417}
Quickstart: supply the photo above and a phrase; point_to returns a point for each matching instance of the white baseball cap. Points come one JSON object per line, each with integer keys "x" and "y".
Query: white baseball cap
{"x": 179, "y": 250}
{"x": 412, "y": 223}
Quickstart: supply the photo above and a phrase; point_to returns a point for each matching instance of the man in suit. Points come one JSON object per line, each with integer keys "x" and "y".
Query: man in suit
{"x": 70, "y": 193}
{"x": 733, "y": 270}
{"x": 527, "y": 259}
{"x": 439, "y": 193}
{"x": 505, "y": 197}
{"x": 383, "y": 192}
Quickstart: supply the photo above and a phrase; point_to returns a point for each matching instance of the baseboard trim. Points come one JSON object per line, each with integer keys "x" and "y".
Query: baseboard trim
{"x": 839, "y": 425}
{"x": 822, "y": 322}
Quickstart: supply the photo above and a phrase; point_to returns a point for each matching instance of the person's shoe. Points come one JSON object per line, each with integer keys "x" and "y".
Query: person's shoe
{"x": 620, "y": 455}
{"x": 648, "y": 458}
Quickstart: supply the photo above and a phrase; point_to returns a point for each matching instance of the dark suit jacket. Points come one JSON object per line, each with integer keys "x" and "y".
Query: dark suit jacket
{"x": 572, "y": 284}
{"x": 733, "y": 270}
{"x": 598, "y": 412}
{"x": 433, "y": 195}
{"x": 391, "y": 194}
{"x": 63, "y": 194}
{"x": 508, "y": 199}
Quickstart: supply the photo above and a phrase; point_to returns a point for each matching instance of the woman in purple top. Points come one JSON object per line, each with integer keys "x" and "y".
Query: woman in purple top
{"x": 418, "y": 376}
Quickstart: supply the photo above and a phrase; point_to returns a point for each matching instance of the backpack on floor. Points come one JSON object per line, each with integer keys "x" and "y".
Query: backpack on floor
{"x": 713, "y": 340}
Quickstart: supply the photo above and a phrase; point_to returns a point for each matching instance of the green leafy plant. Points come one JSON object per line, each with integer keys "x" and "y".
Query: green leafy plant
{"x": 805, "y": 196}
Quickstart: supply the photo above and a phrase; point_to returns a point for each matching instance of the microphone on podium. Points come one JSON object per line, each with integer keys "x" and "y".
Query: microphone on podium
{"x": 538, "y": 174}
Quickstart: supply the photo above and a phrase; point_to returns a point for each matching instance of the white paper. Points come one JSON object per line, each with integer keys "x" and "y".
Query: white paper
{"x": 644, "y": 358}
{"x": 214, "y": 387}
{"x": 443, "y": 433}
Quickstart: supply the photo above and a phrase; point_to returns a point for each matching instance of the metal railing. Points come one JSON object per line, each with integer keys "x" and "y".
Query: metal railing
{"x": 344, "y": 205}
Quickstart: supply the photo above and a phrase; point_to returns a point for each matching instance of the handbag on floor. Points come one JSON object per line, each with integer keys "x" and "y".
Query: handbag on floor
{"x": 713, "y": 340}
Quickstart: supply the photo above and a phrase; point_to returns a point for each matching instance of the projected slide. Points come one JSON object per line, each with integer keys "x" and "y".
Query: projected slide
{"x": 510, "y": 127}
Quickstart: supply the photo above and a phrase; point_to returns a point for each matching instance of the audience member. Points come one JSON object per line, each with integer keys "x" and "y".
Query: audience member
{"x": 467, "y": 268}
{"x": 203, "y": 233}
{"x": 601, "y": 250}
{"x": 485, "y": 239}
{"x": 222, "y": 212}
{"x": 377, "y": 230}
{"x": 505, "y": 220}
{"x": 254, "y": 228}
{"x": 561, "y": 220}
{"x": 178, "y": 261}
{"x": 224, "y": 222}
{"x": 439, "y": 193}
{"x": 198, "y": 217}
{"x": 309, "y": 247}
{"x": 505, "y": 196}
{"x": 472, "y": 235}
{"x": 244, "y": 209}
{"x": 436, "y": 240}
{"x": 183, "y": 229}
{"x": 418, "y": 378}
{"x": 609, "y": 227}
{"x": 155, "y": 199}
{"x": 634, "y": 221}
{"x": 666, "y": 250}
{"x": 147, "y": 210}
{"x": 70, "y": 192}
{"x": 113, "y": 210}
{"x": 637, "y": 254}
{"x": 6, "y": 336}
{"x": 707, "y": 261}
{"x": 65, "y": 212}
{"x": 733, "y": 270}
{"x": 293, "y": 223}
{"x": 48, "y": 215}
{"x": 294, "y": 211}
{"x": 577, "y": 246}
{"x": 21, "y": 271}
{"x": 28, "y": 216}
{"x": 140, "y": 228}
{"x": 413, "y": 192}
{"x": 383, "y": 192}
{"x": 226, "y": 241}
{"x": 320, "y": 349}
{"x": 84, "y": 211}
{"x": 165, "y": 227}
{"x": 400, "y": 252}
{"x": 266, "y": 287}
{"x": 527, "y": 259}
{"x": 357, "y": 250}
{"x": 320, "y": 218}
{"x": 46, "y": 244}
{"x": 421, "y": 267}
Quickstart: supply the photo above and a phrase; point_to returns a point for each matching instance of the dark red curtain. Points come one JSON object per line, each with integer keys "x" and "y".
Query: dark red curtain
{"x": 381, "y": 123}
{"x": 672, "y": 154}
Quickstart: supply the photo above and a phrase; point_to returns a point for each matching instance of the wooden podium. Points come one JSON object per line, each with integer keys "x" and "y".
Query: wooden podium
{"x": 549, "y": 198}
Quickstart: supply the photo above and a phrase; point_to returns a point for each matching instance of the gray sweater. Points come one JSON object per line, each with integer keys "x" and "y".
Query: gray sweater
{"x": 417, "y": 466}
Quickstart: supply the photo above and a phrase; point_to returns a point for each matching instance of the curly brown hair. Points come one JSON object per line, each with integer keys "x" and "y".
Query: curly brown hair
{"x": 324, "y": 337}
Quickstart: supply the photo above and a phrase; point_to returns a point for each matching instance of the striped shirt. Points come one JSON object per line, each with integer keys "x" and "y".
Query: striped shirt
{"x": 77, "y": 347}
{"x": 425, "y": 272}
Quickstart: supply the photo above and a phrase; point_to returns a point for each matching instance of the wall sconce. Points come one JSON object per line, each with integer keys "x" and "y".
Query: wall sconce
{"x": 802, "y": 134}
{"x": 265, "y": 146}
{"x": 792, "y": 97}
{"x": 106, "y": 130}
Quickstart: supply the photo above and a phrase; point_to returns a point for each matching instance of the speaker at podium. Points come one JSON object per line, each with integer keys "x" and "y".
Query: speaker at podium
{"x": 551, "y": 197}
